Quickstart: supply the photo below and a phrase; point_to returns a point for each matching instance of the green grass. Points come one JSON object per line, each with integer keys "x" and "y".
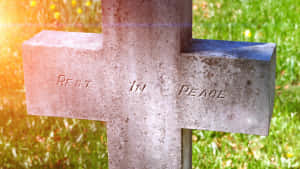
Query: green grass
{"x": 44, "y": 142}
{"x": 268, "y": 21}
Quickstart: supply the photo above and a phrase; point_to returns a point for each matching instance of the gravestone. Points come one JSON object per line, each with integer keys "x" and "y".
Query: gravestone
{"x": 150, "y": 82}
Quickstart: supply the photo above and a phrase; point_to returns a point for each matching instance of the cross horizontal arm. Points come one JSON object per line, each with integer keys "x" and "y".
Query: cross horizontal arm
{"x": 227, "y": 86}
{"x": 65, "y": 75}
{"x": 223, "y": 86}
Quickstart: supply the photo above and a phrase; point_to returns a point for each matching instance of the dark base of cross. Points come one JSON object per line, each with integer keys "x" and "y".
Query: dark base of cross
{"x": 150, "y": 82}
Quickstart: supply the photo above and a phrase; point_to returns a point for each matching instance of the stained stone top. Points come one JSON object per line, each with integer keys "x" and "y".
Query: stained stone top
{"x": 74, "y": 40}
{"x": 232, "y": 49}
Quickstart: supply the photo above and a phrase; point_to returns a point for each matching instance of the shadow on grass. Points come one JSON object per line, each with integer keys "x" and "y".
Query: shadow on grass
{"x": 288, "y": 100}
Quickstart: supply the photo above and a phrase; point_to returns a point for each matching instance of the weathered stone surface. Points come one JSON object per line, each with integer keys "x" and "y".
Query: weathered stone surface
{"x": 145, "y": 77}
{"x": 140, "y": 47}
{"x": 62, "y": 75}
{"x": 143, "y": 40}
{"x": 227, "y": 86}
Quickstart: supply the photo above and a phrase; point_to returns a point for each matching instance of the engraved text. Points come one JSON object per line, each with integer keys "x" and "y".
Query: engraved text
{"x": 187, "y": 90}
{"x": 136, "y": 87}
{"x": 64, "y": 81}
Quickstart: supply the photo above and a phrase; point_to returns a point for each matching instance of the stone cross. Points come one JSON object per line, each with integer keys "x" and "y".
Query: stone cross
{"x": 150, "y": 82}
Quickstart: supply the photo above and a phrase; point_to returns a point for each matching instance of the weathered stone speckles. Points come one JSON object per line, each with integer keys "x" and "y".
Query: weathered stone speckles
{"x": 236, "y": 97}
{"x": 150, "y": 82}
{"x": 226, "y": 90}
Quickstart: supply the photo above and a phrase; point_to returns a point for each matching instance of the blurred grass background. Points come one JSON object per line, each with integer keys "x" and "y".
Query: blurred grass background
{"x": 44, "y": 142}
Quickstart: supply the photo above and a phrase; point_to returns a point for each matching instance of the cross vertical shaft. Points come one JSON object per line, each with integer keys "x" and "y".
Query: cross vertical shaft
{"x": 142, "y": 41}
